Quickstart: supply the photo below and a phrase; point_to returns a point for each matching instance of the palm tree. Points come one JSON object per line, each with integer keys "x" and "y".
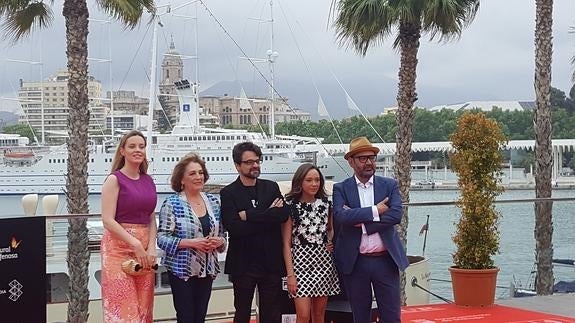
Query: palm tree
{"x": 543, "y": 156}
{"x": 363, "y": 23}
{"x": 20, "y": 17}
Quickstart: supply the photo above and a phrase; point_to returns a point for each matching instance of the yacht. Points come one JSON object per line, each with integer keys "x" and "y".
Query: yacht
{"x": 24, "y": 171}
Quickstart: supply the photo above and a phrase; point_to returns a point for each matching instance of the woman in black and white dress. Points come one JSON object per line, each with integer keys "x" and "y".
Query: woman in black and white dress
{"x": 311, "y": 273}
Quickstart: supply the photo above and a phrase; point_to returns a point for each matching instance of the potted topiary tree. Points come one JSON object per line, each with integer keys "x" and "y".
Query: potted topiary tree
{"x": 477, "y": 143}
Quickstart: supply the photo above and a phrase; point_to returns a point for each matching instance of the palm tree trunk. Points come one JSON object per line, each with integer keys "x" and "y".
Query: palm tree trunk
{"x": 543, "y": 157}
{"x": 409, "y": 35}
{"x": 76, "y": 15}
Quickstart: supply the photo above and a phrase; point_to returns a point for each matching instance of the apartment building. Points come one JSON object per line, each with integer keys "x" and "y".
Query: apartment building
{"x": 46, "y": 102}
{"x": 127, "y": 102}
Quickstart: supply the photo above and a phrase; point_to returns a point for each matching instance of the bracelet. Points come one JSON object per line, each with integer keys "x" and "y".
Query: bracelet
{"x": 290, "y": 275}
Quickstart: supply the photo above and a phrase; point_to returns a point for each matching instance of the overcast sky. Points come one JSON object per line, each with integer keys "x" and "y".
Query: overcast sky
{"x": 493, "y": 60}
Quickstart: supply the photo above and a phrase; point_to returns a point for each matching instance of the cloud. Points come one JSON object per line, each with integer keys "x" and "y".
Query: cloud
{"x": 492, "y": 60}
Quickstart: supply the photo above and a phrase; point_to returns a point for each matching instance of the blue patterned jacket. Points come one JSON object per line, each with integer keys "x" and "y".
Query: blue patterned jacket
{"x": 177, "y": 221}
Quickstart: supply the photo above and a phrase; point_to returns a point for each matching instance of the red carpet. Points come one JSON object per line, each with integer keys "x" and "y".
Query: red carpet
{"x": 450, "y": 313}
{"x": 440, "y": 313}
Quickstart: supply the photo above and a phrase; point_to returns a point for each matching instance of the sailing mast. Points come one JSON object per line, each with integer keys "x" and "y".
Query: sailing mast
{"x": 272, "y": 56}
{"x": 152, "y": 89}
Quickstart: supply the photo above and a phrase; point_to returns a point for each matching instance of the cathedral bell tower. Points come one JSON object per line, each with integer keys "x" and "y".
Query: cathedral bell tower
{"x": 172, "y": 71}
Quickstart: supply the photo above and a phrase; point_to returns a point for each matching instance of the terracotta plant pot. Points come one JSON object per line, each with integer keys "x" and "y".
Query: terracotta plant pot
{"x": 474, "y": 287}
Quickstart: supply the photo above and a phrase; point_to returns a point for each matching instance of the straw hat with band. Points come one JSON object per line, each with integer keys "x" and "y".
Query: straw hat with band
{"x": 358, "y": 145}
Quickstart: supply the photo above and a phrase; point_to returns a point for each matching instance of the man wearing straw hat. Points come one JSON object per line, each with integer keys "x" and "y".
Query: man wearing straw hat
{"x": 368, "y": 251}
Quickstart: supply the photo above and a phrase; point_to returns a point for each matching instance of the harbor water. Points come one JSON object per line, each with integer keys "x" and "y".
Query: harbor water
{"x": 517, "y": 252}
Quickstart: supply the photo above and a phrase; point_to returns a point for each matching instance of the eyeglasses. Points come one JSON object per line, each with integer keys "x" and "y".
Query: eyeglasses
{"x": 364, "y": 159}
{"x": 251, "y": 162}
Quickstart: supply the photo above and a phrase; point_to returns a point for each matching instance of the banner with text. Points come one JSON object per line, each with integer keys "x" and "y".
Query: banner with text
{"x": 23, "y": 269}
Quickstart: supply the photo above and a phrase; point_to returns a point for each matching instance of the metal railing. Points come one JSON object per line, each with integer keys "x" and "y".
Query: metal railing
{"x": 57, "y": 239}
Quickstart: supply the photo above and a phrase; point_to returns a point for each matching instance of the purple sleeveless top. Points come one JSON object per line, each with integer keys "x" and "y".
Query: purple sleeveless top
{"x": 136, "y": 199}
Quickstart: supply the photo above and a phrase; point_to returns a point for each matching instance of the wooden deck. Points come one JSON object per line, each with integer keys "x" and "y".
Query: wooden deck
{"x": 558, "y": 304}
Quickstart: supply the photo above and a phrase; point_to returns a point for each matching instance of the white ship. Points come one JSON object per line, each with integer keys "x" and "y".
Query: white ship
{"x": 26, "y": 170}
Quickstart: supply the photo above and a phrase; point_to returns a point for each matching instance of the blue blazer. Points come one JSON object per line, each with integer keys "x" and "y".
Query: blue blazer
{"x": 348, "y": 236}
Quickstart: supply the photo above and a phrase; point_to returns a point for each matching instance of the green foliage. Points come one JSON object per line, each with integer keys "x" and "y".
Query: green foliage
{"x": 361, "y": 24}
{"x": 428, "y": 126}
{"x": 22, "y": 130}
{"x": 477, "y": 141}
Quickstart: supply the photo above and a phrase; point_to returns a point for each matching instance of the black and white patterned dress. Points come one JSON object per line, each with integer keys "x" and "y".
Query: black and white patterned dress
{"x": 314, "y": 267}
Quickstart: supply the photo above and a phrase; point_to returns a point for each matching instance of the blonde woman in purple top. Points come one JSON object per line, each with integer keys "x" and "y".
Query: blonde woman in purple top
{"x": 128, "y": 204}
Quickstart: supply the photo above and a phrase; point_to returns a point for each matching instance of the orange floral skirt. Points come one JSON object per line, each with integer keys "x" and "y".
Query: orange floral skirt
{"x": 125, "y": 298}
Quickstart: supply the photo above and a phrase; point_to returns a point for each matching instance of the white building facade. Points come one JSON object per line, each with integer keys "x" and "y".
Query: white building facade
{"x": 45, "y": 103}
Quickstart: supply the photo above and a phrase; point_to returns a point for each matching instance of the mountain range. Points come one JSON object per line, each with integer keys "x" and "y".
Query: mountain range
{"x": 369, "y": 97}
{"x": 7, "y": 118}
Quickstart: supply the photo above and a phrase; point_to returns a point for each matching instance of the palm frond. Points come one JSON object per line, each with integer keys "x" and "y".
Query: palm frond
{"x": 448, "y": 18}
{"x": 23, "y": 17}
{"x": 8, "y": 6}
{"x": 363, "y": 23}
{"x": 129, "y": 12}
{"x": 408, "y": 11}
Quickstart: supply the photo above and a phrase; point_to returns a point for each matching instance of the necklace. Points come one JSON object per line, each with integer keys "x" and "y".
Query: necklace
{"x": 194, "y": 201}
